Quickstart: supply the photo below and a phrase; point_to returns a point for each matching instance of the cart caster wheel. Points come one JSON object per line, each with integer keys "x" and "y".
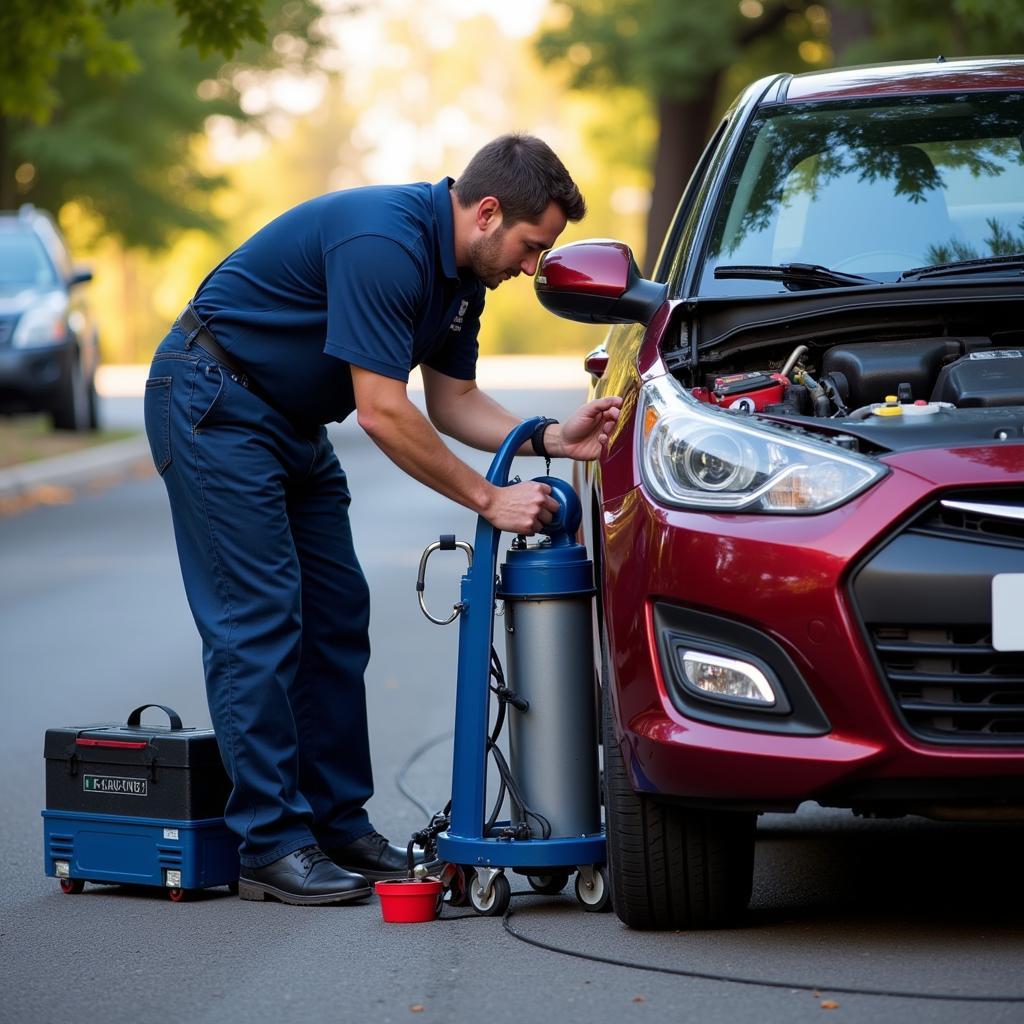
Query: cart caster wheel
{"x": 496, "y": 902}
{"x": 458, "y": 889}
{"x": 177, "y": 895}
{"x": 550, "y": 884}
{"x": 71, "y": 886}
{"x": 594, "y": 894}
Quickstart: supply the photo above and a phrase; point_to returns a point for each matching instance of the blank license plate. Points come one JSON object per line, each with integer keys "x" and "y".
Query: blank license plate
{"x": 1008, "y": 611}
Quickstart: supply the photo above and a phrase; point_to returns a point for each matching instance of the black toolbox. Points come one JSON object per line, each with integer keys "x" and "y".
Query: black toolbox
{"x": 134, "y": 803}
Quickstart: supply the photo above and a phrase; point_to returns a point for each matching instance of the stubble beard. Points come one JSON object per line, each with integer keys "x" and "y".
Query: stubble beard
{"x": 485, "y": 259}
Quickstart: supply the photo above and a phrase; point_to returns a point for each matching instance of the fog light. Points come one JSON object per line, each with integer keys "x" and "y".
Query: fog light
{"x": 172, "y": 879}
{"x": 715, "y": 676}
{"x": 63, "y": 868}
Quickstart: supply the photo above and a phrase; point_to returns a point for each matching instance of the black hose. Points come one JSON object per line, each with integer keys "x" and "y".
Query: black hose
{"x": 407, "y": 766}
{"x": 506, "y": 784}
{"x": 734, "y": 979}
{"x": 728, "y": 979}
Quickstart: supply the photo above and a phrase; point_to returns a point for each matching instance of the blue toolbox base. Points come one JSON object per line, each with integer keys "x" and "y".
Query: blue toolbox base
{"x": 112, "y": 849}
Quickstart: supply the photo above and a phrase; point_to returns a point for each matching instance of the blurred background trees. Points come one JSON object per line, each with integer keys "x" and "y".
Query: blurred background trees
{"x": 163, "y": 132}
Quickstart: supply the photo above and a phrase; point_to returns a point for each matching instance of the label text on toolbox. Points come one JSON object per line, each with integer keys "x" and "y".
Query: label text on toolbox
{"x": 115, "y": 786}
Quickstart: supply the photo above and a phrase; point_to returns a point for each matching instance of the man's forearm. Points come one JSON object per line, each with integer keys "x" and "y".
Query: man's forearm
{"x": 407, "y": 437}
{"x": 478, "y": 420}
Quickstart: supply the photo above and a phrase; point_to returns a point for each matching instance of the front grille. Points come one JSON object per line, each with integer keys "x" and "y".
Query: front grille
{"x": 925, "y": 599}
{"x": 951, "y": 684}
{"x": 980, "y": 524}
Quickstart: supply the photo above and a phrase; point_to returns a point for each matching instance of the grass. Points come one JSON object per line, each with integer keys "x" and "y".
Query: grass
{"x": 28, "y": 438}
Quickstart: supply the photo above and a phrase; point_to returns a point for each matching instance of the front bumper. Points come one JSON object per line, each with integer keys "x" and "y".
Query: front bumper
{"x": 31, "y": 377}
{"x": 800, "y": 584}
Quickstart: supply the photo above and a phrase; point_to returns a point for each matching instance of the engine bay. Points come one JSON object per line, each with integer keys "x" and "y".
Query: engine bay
{"x": 883, "y": 395}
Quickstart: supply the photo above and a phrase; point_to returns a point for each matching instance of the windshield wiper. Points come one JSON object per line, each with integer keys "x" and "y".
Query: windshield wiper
{"x": 796, "y": 276}
{"x": 965, "y": 266}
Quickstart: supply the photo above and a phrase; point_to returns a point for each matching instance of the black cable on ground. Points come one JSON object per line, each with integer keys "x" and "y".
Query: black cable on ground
{"x": 732, "y": 979}
{"x": 729, "y": 979}
{"x": 411, "y": 760}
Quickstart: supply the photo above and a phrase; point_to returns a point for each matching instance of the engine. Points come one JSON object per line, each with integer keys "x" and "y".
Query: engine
{"x": 875, "y": 379}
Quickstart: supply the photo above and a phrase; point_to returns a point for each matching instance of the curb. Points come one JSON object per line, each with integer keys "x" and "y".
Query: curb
{"x": 74, "y": 469}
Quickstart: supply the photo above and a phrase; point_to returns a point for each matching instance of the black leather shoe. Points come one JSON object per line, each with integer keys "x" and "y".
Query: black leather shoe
{"x": 305, "y": 877}
{"x": 374, "y": 857}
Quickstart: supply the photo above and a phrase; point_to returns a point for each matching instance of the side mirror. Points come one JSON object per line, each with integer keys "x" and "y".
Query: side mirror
{"x": 597, "y": 282}
{"x": 80, "y": 275}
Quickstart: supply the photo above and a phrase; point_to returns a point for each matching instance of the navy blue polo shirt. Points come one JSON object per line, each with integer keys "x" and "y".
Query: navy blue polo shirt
{"x": 363, "y": 277}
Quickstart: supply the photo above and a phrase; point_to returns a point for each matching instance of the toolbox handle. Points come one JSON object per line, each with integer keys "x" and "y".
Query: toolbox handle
{"x": 135, "y": 718}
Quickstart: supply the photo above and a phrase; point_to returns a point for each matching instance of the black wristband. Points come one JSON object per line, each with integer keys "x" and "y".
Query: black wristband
{"x": 537, "y": 438}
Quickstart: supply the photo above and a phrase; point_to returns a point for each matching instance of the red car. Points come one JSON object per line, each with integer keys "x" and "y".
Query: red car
{"x": 809, "y": 523}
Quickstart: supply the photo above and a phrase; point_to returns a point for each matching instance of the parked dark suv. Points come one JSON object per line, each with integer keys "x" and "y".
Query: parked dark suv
{"x": 48, "y": 340}
{"x": 809, "y": 521}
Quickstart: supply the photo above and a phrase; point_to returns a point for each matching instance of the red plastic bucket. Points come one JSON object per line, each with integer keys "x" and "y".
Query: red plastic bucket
{"x": 406, "y": 900}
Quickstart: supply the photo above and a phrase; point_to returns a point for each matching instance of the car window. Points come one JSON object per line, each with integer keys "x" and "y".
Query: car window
{"x": 24, "y": 263}
{"x": 872, "y": 188}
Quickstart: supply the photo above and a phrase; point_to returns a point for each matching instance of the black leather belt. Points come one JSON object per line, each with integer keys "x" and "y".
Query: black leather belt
{"x": 196, "y": 333}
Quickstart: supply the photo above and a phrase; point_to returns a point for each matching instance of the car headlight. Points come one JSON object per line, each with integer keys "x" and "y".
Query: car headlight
{"x": 43, "y": 323}
{"x": 698, "y": 456}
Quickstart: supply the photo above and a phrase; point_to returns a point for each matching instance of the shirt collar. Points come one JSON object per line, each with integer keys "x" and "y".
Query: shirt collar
{"x": 444, "y": 225}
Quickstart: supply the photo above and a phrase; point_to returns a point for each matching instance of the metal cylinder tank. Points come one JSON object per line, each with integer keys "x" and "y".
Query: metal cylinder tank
{"x": 547, "y": 589}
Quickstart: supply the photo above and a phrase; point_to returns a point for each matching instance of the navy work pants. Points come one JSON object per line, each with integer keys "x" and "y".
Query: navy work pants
{"x": 260, "y": 516}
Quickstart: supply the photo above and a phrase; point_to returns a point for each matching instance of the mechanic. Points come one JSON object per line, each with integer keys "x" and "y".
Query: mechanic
{"x": 324, "y": 311}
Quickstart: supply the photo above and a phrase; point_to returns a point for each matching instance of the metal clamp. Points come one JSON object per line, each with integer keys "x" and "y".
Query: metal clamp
{"x": 447, "y": 542}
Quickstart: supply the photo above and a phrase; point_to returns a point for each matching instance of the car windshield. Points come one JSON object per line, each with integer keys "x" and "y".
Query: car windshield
{"x": 872, "y": 188}
{"x": 24, "y": 263}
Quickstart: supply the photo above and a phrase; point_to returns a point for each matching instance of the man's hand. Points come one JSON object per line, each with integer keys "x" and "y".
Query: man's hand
{"x": 585, "y": 433}
{"x": 521, "y": 508}
{"x": 399, "y": 429}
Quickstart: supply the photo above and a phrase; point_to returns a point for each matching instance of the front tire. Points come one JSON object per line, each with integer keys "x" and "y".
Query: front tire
{"x": 73, "y": 409}
{"x": 672, "y": 867}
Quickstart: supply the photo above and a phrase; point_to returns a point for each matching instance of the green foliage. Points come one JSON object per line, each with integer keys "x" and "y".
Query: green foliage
{"x": 121, "y": 141}
{"x": 914, "y": 29}
{"x": 34, "y": 39}
{"x": 220, "y": 27}
{"x": 667, "y": 49}
{"x": 37, "y": 38}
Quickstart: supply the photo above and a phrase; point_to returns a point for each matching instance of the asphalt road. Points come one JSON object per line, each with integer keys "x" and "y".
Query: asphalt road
{"x": 93, "y": 621}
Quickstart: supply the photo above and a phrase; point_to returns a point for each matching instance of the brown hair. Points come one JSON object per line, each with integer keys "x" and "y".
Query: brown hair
{"x": 524, "y": 175}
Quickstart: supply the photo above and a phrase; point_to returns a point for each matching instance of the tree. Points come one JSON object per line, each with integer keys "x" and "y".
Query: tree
{"x": 121, "y": 140}
{"x": 37, "y": 37}
{"x": 678, "y": 54}
{"x": 682, "y": 55}
{"x": 914, "y": 29}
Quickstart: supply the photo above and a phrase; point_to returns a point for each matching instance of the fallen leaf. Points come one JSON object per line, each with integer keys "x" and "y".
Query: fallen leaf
{"x": 417, "y": 1008}
{"x": 639, "y": 999}
{"x": 830, "y": 1004}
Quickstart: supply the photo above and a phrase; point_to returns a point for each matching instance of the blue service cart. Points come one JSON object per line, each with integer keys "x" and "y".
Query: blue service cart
{"x": 548, "y": 698}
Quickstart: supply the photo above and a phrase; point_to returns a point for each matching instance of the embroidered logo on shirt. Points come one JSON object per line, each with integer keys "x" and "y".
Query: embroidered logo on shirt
{"x": 456, "y": 324}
